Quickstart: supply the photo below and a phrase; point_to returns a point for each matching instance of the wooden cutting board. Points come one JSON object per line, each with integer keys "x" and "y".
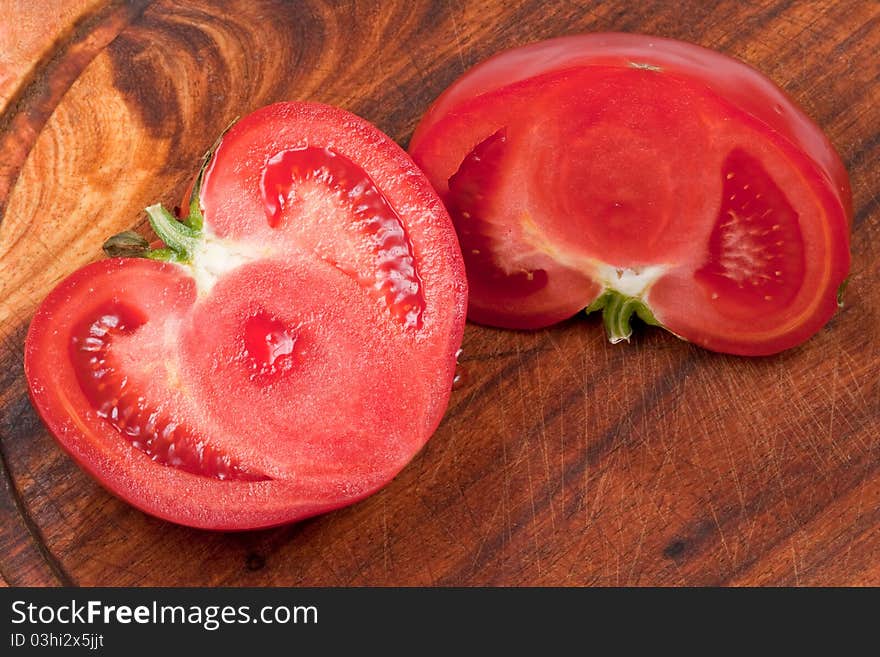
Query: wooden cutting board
{"x": 562, "y": 460}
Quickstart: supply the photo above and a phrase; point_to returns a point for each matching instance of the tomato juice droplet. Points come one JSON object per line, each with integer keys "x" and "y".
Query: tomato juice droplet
{"x": 108, "y": 390}
{"x": 269, "y": 344}
{"x": 460, "y": 380}
{"x": 395, "y": 278}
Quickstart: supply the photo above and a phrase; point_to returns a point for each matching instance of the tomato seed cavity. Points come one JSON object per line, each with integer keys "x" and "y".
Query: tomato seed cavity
{"x": 108, "y": 391}
{"x": 756, "y": 250}
{"x": 469, "y": 202}
{"x": 395, "y": 279}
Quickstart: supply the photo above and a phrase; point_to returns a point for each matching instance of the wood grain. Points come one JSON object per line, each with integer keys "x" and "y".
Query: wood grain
{"x": 28, "y": 38}
{"x": 562, "y": 460}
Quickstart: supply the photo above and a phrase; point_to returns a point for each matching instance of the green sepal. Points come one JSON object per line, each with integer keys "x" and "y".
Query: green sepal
{"x": 841, "y": 291}
{"x": 617, "y": 311}
{"x": 180, "y": 237}
{"x": 195, "y": 219}
{"x": 127, "y": 244}
{"x": 165, "y": 255}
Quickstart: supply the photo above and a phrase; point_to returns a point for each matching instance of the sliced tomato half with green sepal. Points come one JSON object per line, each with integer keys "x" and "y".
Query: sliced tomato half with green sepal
{"x": 288, "y": 348}
{"x": 640, "y": 176}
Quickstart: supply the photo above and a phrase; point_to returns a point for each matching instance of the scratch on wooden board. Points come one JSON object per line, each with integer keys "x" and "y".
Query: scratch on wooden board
{"x": 569, "y": 579}
{"x": 810, "y": 433}
{"x": 734, "y": 471}
{"x": 853, "y": 535}
{"x": 659, "y": 479}
{"x": 724, "y": 545}
{"x": 797, "y": 398}
{"x": 505, "y": 467}
{"x": 524, "y": 414}
{"x": 842, "y": 456}
{"x": 587, "y": 550}
{"x": 360, "y": 567}
{"x": 583, "y": 502}
{"x": 563, "y": 432}
{"x": 674, "y": 459}
{"x": 465, "y": 503}
{"x": 641, "y": 540}
{"x": 138, "y": 577}
{"x": 432, "y": 578}
{"x": 484, "y": 536}
{"x": 617, "y": 569}
{"x": 565, "y": 358}
{"x": 449, "y": 447}
{"x": 593, "y": 509}
{"x": 746, "y": 543}
{"x": 545, "y": 450}
{"x": 386, "y": 541}
{"x": 328, "y": 554}
{"x": 457, "y": 31}
{"x": 857, "y": 395}
{"x": 797, "y": 579}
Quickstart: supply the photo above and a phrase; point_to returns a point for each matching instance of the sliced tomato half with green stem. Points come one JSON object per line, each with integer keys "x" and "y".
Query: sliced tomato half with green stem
{"x": 640, "y": 176}
{"x": 286, "y": 351}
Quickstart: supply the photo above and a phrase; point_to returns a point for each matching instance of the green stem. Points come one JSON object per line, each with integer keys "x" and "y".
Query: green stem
{"x": 617, "y": 311}
{"x": 178, "y": 237}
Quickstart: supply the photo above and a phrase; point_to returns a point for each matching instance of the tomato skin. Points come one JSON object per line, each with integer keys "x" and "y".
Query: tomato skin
{"x": 743, "y": 85}
{"x": 165, "y": 492}
{"x": 298, "y": 386}
{"x": 582, "y": 194}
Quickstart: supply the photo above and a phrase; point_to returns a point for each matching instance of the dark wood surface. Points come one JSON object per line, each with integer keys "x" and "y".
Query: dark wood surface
{"x": 562, "y": 459}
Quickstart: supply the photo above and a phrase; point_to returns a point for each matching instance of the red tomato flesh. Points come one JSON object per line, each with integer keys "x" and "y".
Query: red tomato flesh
{"x": 294, "y": 364}
{"x": 652, "y": 170}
